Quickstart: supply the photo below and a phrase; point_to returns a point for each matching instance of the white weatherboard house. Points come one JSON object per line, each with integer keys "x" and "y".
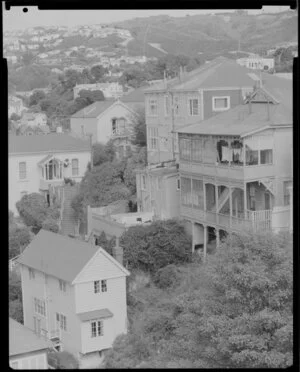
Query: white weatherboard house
{"x": 74, "y": 293}
{"x": 39, "y": 161}
{"x": 26, "y": 349}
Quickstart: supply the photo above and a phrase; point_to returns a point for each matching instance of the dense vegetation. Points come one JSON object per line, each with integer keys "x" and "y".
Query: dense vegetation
{"x": 233, "y": 312}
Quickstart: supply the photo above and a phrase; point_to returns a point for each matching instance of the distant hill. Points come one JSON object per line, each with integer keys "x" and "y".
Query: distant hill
{"x": 210, "y": 34}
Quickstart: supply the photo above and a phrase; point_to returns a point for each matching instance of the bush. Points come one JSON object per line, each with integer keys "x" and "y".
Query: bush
{"x": 50, "y": 225}
{"x": 62, "y": 360}
{"x": 69, "y": 181}
{"x": 166, "y": 277}
{"x": 19, "y": 238}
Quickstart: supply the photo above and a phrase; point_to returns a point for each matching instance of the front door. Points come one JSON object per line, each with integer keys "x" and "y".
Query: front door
{"x": 267, "y": 201}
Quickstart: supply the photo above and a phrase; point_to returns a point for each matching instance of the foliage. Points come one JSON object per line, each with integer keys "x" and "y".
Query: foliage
{"x": 15, "y": 297}
{"x": 27, "y": 58}
{"x": 103, "y": 153}
{"x": 69, "y": 181}
{"x": 91, "y": 96}
{"x": 51, "y": 225}
{"x": 154, "y": 246}
{"x": 166, "y": 277}
{"x": 233, "y": 312}
{"x": 34, "y": 210}
{"x": 19, "y": 238}
{"x": 98, "y": 71}
{"x": 62, "y": 360}
{"x": 36, "y": 97}
{"x": 140, "y": 130}
{"x": 15, "y": 117}
{"x": 78, "y": 206}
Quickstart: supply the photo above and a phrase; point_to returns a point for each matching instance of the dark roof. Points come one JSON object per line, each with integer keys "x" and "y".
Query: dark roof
{"x": 52, "y": 142}
{"x": 23, "y": 340}
{"x": 239, "y": 121}
{"x": 94, "y": 110}
{"x": 95, "y": 314}
{"x": 136, "y": 95}
{"x": 57, "y": 255}
{"x": 221, "y": 72}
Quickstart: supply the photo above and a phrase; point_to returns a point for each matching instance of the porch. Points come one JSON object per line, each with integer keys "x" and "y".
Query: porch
{"x": 51, "y": 172}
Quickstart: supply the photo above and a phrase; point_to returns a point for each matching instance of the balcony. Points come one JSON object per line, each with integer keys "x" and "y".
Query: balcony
{"x": 236, "y": 172}
{"x": 253, "y": 220}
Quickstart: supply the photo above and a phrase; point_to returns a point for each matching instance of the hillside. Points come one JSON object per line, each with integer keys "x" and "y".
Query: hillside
{"x": 205, "y": 34}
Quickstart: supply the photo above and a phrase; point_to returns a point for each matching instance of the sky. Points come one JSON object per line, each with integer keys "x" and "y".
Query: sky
{"x": 16, "y": 19}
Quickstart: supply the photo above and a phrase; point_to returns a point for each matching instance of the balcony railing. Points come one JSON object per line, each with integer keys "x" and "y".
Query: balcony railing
{"x": 254, "y": 220}
{"x": 44, "y": 184}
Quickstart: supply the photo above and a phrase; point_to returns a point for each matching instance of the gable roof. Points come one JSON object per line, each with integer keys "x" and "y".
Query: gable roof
{"x": 221, "y": 72}
{"x": 52, "y": 142}
{"x": 94, "y": 110}
{"x": 60, "y": 256}
{"x": 24, "y": 340}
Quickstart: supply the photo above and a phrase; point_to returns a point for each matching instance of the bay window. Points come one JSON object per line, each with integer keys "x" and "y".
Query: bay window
{"x": 193, "y": 106}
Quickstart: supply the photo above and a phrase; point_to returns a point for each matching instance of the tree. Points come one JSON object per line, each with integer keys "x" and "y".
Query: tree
{"x": 92, "y": 95}
{"x": 62, "y": 360}
{"x": 19, "y": 238}
{"x": 15, "y": 117}
{"x": 34, "y": 210}
{"x": 249, "y": 320}
{"x": 51, "y": 225}
{"x": 98, "y": 72}
{"x": 15, "y": 297}
{"x": 102, "y": 153}
{"x": 140, "y": 129}
{"x": 27, "y": 58}
{"x": 154, "y": 246}
{"x": 36, "y": 97}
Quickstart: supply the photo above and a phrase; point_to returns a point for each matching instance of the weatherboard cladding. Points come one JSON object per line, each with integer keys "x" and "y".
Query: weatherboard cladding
{"x": 64, "y": 257}
{"x": 46, "y": 143}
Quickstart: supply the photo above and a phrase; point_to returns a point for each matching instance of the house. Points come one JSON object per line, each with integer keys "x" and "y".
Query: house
{"x": 15, "y": 106}
{"x": 189, "y": 98}
{"x": 234, "y": 168}
{"x": 257, "y": 63}
{"x": 33, "y": 119}
{"x": 74, "y": 293}
{"x": 27, "y": 350}
{"x": 39, "y": 162}
{"x": 107, "y": 120}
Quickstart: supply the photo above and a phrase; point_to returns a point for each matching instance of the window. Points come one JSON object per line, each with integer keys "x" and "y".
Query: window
{"x": 62, "y": 285}
{"x": 97, "y": 286}
{"x": 22, "y": 170}
{"x": 198, "y": 194}
{"x": 221, "y": 103}
{"x": 153, "y": 138}
{"x": 196, "y": 150}
{"x": 286, "y": 192}
{"x": 185, "y": 149}
{"x": 176, "y": 106}
{"x": 193, "y": 106}
{"x": 167, "y": 105}
{"x": 121, "y": 125}
{"x": 62, "y": 321}
{"x": 103, "y": 285}
{"x": 143, "y": 182}
{"x": 75, "y": 167}
{"x": 39, "y": 306}
{"x": 114, "y": 125}
{"x": 152, "y": 107}
{"x": 178, "y": 183}
{"x": 266, "y": 156}
{"x": 251, "y": 156}
{"x": 97, "y": 328}
{"x": 186, "y": 191}
{"x": 31, "y": 273}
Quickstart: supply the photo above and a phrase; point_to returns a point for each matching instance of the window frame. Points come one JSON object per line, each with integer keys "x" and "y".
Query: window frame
{"x": 96, "y": 286}
{"x": 214, "y": 108}
{"x": 143, "y": 182}
{"x": 97, "y": 328}
{"x": 76, "y": 173}
{"x": 153, "y": 101}
{"x": 22, "y": 172}
{"x": 153, "y": 138}
{"x": 103, "y": 285}
{"x": 191, "y": 108}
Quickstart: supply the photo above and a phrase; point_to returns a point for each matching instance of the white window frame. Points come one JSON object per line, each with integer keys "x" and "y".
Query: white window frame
{"x": 96, "y": 286}
{"x": 104, "y": 285}
{"x": 153, "y": 138}
{"x": 192, "y": 98}
{"x": 22, "y": 173}
{"x": 220, "y": 108}
{"x": 75, "y": 170}
{"x": 39, "y": 306}
{"x": 97, "y": 324}
{"x": 155, "y": 101}
{"x": 62, "y": 321}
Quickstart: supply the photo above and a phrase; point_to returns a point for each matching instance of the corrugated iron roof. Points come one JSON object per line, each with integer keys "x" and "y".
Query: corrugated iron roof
{"x": 95, "y": 314}
{"x": 46, "y": 143}
{"x": 23, "y": 340}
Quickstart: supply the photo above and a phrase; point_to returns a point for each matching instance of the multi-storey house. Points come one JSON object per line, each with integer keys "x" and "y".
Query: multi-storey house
{"x": 190, "y": 98}
{"x": 235, "y": 168}
{"x": 74, "y": 294}
{"x": 39, "y": 162}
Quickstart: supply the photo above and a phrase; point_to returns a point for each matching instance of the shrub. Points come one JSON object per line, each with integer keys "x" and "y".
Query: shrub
{"x": 62, "y": 360}
{"x": 69, "y": 181}
{"x": 50, "y": 225}
{"x": 167, "y": 276}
